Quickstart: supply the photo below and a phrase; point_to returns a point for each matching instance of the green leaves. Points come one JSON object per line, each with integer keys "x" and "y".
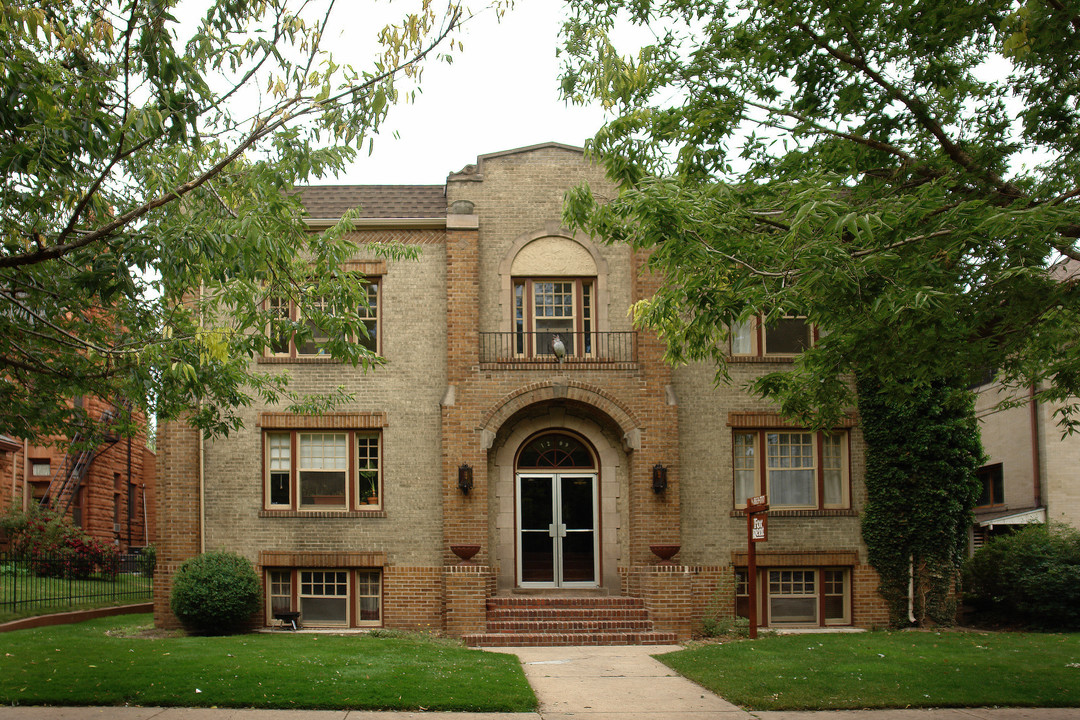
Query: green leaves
{"x": 921, "y": 457}
{"x": 876, "y": 166}
{"x": 147, "y": 205}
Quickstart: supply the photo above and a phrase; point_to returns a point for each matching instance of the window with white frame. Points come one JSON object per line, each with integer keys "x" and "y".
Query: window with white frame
{"x": 792, "y": 597}
{"x": 283, "y": 344}
{"x": 322, "y": 470}
{"x": 742, "y": 593}
{"x": 544, "y": 308}
{"x": 835, "y": 596}
{"x": 794, "y": 468}
{"x": 40, "y": 468}
{"x": 279, "y": 590}
{"x": 326, "y": 597}
{"x": 368, "y": 597}
{"x": 787, "y": 335}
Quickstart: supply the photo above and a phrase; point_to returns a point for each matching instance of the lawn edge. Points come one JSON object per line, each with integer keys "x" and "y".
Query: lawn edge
{"x": 74, "y": 616}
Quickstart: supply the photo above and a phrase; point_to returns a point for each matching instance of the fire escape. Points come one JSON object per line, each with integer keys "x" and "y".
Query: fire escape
{"x": 65, "y": 484}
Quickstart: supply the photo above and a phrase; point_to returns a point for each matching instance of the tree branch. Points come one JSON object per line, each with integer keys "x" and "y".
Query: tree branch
{"x": 264, "y": 127}
{"x": 919, "y": 111}
{"x": 902, "y": 243}
{"x": 868, "y": 142}
{"x": 1059, "y": 6}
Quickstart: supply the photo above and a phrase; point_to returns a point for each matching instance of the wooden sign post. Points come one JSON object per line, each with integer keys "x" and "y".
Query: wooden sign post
{"x": 757, "y": 530}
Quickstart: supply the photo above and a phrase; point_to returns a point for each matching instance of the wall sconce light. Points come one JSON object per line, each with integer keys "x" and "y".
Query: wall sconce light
{"x": 464, "y": 478}
{"x": 659, "y": 478}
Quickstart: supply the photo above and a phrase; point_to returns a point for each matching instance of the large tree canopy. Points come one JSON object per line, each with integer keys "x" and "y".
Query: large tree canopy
{"x": 145, "y": 204}
{"x": 904, "y": 174}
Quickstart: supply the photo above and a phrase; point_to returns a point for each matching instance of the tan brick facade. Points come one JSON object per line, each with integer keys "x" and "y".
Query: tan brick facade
{"x": 1034, "y": 462}
{"x": 452, "y": 396}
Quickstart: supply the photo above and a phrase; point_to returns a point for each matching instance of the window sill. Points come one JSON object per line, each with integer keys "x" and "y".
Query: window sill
{"x": 549, "y": 365}
{"x": 828, "y": 512}
{"x": 740, "y": 359}
{"x": 322, "y": 513}
{"x": 298, "y": 360}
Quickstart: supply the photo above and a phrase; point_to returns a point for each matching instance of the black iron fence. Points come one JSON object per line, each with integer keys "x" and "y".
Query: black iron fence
{"x": 48, "y": 581}
{"x": 597, "y": 348}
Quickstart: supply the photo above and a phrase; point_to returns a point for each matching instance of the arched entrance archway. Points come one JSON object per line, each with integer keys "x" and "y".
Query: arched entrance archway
{"x": 557, "y": 533}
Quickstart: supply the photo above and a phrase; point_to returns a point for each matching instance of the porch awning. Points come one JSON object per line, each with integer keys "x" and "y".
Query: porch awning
{"x": 1013, "y": 517}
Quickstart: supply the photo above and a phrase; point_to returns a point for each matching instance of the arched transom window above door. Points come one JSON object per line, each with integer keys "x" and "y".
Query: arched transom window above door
{"x": 556, "y": 451}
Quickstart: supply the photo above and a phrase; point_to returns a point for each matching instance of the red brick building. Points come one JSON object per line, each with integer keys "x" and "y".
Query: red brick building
{"x": 112, "y": 499}
{"x": 521, "y": 417}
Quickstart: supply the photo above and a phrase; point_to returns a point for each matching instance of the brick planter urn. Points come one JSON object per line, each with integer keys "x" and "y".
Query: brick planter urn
{"x": 465, "y": 553}
{"x": 665, "y": 553}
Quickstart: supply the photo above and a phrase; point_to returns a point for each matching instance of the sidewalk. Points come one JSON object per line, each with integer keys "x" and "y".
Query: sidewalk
{"x": 582, "y": 683}
{"x": 616, "y": 683}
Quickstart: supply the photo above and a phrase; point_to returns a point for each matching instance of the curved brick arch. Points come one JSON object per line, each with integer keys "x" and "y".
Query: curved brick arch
{"x": 552, "y": 228}
{"x": 539, "y": 392}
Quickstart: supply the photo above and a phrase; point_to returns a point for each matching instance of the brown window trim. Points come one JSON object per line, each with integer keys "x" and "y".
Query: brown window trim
{"x": 528, "y": 333}
{"x": 759, "y": 352}
{"x": 294, "y": 356}
{"x": 748, "y": 423}
{"x": 324, "y": 425}
{"x": 352, "y": 593}
{"x": 808, "y": 513}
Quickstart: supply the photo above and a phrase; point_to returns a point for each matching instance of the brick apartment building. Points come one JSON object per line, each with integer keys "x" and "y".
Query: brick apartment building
{"x": 113, "y": 500}
{"x": 563, "y": 472}
{"x": 1030, "y": 473}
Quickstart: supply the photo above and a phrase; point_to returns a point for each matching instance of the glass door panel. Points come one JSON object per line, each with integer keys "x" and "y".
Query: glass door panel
{"x": 557, "y": 530}
{"x": 536, "y": 513}
{"x": 578, "y": 515}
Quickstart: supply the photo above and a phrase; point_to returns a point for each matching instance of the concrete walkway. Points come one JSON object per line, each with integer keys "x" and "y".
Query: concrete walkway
{"x": 616, "y": 683}
{"x": 583, "y": 683}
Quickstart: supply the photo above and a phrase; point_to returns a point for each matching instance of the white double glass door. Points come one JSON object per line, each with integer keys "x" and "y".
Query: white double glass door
{"x": 557, "y": 538}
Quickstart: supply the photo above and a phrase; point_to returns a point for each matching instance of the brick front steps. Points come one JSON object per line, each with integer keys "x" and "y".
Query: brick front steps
{"x": 542, "y": 621}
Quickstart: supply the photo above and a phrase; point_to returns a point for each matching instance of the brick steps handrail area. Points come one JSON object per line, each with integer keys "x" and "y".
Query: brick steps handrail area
{"x": 550, "y": 621}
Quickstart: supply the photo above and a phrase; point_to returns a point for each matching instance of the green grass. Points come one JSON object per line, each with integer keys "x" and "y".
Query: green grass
{"x": 889, "y": 670}
{"x": 42, "y": 596}
{"x": 109, "y": 662}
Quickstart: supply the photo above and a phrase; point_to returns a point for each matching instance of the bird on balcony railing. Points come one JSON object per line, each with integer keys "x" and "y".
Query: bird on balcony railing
{"x": 557, "y": 347}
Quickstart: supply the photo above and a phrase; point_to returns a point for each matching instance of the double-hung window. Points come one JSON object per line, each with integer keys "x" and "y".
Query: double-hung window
{"x": 283, "y": 344}
{"x": 794, "y": 468}
{"x": 784, "y": 336}
{"x": 322, "y": 470}
{"x": 544, "y": 308}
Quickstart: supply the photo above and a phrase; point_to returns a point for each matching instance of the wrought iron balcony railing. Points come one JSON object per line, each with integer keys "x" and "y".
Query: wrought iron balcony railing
{"x": 535, "y": 348}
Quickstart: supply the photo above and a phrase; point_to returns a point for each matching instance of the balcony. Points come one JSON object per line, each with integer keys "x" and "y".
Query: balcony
{"x": 584, "y": 350}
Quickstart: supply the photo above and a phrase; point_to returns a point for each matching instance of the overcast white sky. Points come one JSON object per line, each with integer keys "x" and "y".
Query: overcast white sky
{"x": 500, "y": 93}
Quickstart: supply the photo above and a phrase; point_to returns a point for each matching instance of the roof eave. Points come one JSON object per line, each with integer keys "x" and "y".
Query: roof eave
{"x": 378, "y": 223}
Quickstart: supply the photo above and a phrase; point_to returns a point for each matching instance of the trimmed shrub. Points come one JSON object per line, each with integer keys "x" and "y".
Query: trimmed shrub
{"x": 1031, "y": 577}
{"x": 215, "y": 593}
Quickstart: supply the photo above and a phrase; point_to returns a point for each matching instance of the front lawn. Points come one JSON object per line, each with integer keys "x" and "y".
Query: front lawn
{"x": 25, "y": 595}
{"x": 111, "y": 662}
{"x": 889, "y": 670}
